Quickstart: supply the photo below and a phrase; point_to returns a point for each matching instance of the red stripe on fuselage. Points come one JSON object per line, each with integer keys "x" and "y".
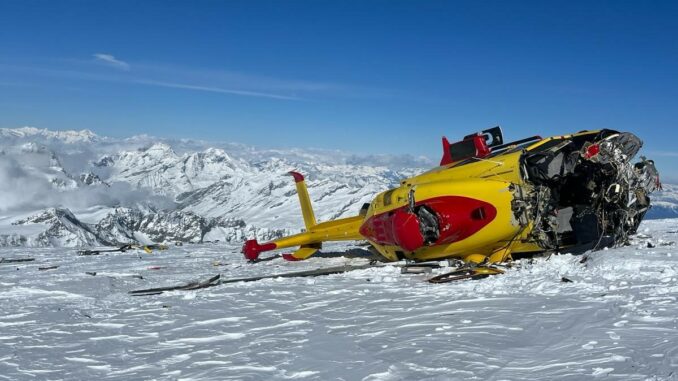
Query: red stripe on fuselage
{"x": 458, "y": 217}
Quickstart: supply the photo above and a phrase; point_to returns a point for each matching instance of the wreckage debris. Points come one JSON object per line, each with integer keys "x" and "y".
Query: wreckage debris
{"x": 408, "y": 268}
{"x": 147, "y": 248}
{"x": 213, "y": 281}
{"x": 16, "y": 260}
{"x": 120, "y": 249}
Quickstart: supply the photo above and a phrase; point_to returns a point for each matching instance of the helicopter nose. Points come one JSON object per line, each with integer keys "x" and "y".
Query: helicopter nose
{"x": 406, "y": 232}
{"x": 399, "y": 228}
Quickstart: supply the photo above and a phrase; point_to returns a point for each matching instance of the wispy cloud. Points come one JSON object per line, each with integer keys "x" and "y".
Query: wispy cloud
{"x": 215, "y": 89}
{"x": 209, "y": 80}
{"x": 110, "y": 60}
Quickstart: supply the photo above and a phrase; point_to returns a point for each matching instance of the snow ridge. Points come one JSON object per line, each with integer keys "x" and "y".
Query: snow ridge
{"x": 68, "y": 136}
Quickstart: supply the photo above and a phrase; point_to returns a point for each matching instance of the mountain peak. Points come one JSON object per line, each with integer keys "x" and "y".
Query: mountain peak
{"x": 211, "y": 151}
{"x": 159, "y": 149}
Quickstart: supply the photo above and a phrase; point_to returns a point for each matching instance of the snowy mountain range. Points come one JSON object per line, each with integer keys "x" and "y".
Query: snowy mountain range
{"x": 75, "y": 188}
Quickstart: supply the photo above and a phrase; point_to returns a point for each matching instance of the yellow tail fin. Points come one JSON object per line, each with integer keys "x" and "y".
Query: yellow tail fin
{"x": 304, "y": 200}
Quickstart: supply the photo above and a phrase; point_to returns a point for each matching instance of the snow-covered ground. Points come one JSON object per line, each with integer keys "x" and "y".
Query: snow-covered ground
{"x": 617, "y": 319}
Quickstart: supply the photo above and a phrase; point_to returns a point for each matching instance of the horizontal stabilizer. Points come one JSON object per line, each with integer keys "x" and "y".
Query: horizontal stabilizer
{"x": 302, "y": 253}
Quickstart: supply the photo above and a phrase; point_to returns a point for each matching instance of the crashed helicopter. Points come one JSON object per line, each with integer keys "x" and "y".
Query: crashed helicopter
{"x": 491, "y": 201}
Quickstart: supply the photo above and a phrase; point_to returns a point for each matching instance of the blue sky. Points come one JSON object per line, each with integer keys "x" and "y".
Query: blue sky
{"x": 363, "y": 76}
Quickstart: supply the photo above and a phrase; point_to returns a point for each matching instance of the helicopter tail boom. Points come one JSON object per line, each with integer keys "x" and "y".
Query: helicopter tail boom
{"x": 309, "y": 241}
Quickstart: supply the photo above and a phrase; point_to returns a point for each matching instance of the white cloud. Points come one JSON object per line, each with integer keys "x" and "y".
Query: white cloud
{"x": 110, "y": 60}
{"x": 25, "y": 188}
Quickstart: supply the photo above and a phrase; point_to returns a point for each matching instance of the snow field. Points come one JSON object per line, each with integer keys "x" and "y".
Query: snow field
{"x": 617, "y": 319}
